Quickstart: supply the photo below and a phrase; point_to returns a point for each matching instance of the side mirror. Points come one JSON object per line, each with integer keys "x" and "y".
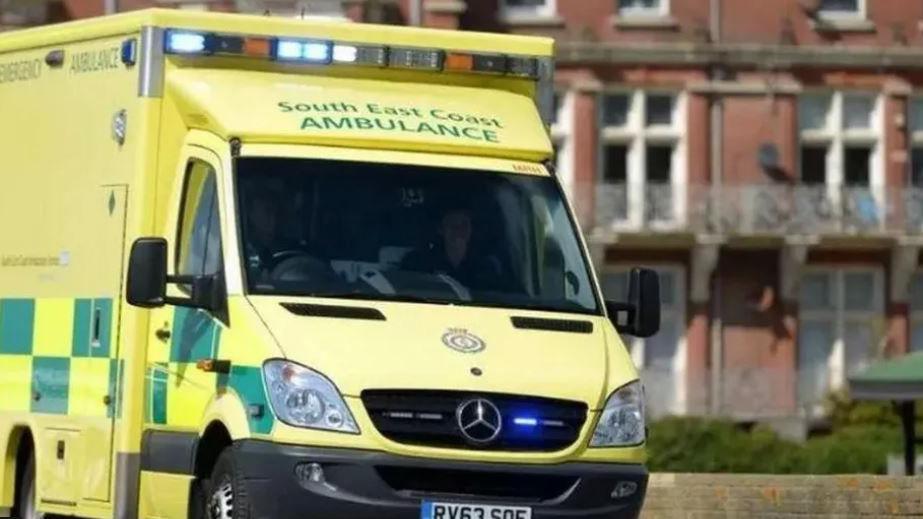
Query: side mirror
{"x": 148, "y": 279}
{"x": 147, "y": 273}
{"x": 640, "y": 316}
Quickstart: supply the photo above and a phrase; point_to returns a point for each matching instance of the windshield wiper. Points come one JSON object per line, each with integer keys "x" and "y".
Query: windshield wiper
{"x": 397, "y": 298}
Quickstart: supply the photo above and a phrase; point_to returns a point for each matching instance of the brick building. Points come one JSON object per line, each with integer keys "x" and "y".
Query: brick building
{"x": 765, "y": 156}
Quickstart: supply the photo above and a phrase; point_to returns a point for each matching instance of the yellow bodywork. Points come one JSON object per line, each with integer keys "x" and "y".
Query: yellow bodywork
{"x": 82, "y": 369}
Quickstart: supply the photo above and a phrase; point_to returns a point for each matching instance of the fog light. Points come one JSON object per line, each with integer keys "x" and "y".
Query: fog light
{"x": 309, "y": 473}
{"x": 624, "y": 489}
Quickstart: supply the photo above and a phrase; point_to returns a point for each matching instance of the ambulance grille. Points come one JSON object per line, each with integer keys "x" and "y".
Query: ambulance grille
{"x": 428, "y": 418}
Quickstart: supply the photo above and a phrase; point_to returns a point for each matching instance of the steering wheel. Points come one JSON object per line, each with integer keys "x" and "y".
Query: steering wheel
{"x": 295, "y": 265}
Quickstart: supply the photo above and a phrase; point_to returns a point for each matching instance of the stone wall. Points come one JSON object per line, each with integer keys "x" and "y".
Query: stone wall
{"x": 702, "y": 496}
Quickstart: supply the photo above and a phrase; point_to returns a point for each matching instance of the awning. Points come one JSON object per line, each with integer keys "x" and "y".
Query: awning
{"x": 899, "y": 380}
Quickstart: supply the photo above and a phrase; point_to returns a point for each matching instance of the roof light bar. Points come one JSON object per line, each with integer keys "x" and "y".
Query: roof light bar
{"x": 294, "y": 50}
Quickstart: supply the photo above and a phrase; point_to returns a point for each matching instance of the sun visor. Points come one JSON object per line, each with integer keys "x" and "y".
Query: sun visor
{"x": 360, "y": 113}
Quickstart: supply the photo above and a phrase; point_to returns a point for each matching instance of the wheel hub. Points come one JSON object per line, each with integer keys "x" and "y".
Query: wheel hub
{"x": 221, "y": 502}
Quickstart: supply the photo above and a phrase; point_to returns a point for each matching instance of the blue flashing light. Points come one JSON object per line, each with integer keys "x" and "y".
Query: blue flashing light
{"x": 288, "y": 50}
{"x": 185, "y": 42}
{"x": 525, "y": 421}
{"x": 129, "y": 52}
{"x": 314, "y": 51}
{"x": 307, "y": 51}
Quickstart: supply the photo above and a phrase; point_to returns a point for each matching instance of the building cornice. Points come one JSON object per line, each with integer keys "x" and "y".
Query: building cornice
{"x": 739, "y": 55}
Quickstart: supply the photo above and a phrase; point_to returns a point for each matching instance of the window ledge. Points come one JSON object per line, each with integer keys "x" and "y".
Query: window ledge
{"x": 446, "y": 7}
{"x": 645, "y": 22}
{"x": 842, "y": 25}
{"x": 529, "y": 20}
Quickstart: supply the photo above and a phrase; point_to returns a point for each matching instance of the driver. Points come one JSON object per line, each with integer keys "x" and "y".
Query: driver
{"x": 452, "y": 254}
{"x": 261, "y": 241}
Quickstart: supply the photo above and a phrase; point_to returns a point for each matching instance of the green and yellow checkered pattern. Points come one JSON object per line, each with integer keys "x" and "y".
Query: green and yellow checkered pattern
{"x": 56, "y": 357}
{"x": 177, "y": 392}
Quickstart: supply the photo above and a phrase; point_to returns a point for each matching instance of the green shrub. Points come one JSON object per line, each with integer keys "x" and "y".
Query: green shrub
{"x": 702, "y": 445}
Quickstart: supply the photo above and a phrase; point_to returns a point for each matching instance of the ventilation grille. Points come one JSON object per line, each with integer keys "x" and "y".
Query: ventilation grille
{"x": 553, "y": 325}
{"x": 336, "y": 312}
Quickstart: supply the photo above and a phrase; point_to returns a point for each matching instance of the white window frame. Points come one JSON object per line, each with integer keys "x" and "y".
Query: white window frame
{"x": 860, "y": 14}
{"x": 636, "y": 135}
{"x": 837, "y": 138}
{"x": 661, "y": 11}
{"x": 678, "y": 311}
{"x": 562, "y": 132}
{"x": 839, "y": 316}
{"x": 548, "y": 10}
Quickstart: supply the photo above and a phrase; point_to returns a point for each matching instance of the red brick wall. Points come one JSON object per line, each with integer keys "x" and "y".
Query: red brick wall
{"x": 750, "y": 121}
{"x": 765, "y": 22}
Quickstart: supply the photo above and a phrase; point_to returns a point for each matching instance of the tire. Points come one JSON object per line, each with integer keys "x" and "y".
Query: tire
{"x": 26, "y": 493}
{"x": 197, "y": 501}
{"x": 226, "y": 492}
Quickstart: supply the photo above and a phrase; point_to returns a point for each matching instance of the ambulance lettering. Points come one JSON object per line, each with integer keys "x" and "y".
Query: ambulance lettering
{"x": 95, "y": 61}
{"x": 24, "y": 70}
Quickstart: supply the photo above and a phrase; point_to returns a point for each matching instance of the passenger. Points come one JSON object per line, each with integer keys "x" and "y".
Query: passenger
{"x": 454, "y": 256}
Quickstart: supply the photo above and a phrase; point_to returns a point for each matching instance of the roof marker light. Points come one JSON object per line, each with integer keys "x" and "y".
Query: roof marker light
{"x": 370, "y": 55}
{"x": 185, "y": 42}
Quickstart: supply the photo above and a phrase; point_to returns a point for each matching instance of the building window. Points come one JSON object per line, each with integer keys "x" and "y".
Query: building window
{"x": 841, "y": 164}
{"x": 916, "y": 313}
{"x": 528, "y": 8}
{"x": 642, "y": 176}
{"x": 842, "y": 9}
{"x": 643, "y": 8}
{"x": 839, "y": 331}
{"x": 916, "y": 141}
{"x": 661, "y": 358}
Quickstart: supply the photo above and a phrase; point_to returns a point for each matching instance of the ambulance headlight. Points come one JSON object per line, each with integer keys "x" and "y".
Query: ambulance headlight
{"x": 304, "y": 398}
{"x": 621, "y": 422}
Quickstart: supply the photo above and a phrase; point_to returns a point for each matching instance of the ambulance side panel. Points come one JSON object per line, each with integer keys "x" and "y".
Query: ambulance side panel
{"x": 75, "y": 150}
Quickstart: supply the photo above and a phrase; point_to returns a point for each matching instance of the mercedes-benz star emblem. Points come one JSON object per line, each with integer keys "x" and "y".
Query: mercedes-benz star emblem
{"x": 479, "y": 420}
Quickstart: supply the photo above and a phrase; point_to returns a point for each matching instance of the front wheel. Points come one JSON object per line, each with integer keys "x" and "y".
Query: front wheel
{"x": 226, "y": 492}
{"x": 26, "y": 505}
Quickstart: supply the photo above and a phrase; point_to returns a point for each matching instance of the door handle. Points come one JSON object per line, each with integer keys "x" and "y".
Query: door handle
{"x": 163, "y": 334}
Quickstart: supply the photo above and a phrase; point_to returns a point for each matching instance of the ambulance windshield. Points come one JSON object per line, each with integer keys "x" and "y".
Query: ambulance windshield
{"x": 359, "y": 230}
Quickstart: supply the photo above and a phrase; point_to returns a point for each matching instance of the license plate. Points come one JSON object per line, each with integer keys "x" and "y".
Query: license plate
{"x": 433, "y": 510}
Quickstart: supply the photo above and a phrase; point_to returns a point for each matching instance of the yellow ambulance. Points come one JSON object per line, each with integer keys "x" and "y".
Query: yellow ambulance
{"x": 254, "y": 267}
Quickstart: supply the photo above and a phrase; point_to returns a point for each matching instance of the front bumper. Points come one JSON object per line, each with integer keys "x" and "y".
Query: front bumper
{"x": 290, "y": 481}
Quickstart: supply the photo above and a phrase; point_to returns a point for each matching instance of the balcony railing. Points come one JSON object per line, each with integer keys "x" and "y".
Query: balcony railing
{"x": 755, "y": 210}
